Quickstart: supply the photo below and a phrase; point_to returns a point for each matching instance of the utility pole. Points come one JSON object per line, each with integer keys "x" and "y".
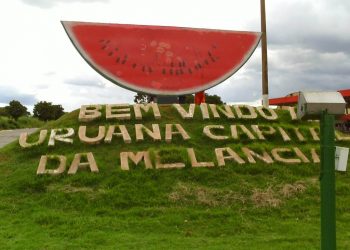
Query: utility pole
{"x": 265, "y": 79}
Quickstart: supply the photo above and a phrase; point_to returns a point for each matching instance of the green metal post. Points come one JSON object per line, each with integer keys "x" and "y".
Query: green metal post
{"x": 327, "y": 180}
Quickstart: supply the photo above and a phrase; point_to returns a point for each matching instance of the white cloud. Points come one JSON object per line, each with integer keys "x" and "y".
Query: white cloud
{"x": 51, "y": 3}
{"x": 9, "y": 93}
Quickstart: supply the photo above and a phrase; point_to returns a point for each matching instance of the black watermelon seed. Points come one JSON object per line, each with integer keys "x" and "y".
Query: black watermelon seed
{"x": 199, "y": 65}
{"x": 171, "y": 71}
{"x": 110, "y": 53}
{"x": 125, "y": 59}
{"x": 116, "y": 49}
{"x": 206, "y": 62}
{"x": 104, "y": 46}
{"x": 183, "y": 64}
{"x": 190, "y": 71}
{"x": 134, "y": 65}
{"x": 150, "y": 70}
{"x": 143, "y": 68}
{"x": 118, "y": 59}
{"x": 211, "y": 56}
{"x": 196, "y": 66}
{"x": 164, "y": 71}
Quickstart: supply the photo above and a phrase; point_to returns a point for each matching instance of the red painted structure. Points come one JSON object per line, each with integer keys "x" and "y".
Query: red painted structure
{"x": 199, "y": 98}
{"x": 161, "y": 60}
{"x": 345, "y": 93}
{"x": 284, "y": 101}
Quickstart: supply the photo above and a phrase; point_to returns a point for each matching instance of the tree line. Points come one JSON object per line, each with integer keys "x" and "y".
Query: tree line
{"x": 43, "y": 110}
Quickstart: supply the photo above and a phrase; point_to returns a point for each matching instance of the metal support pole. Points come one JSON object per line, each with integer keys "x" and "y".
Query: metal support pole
{"x": 265, "y": 81}
{"x": 327, "y": 182}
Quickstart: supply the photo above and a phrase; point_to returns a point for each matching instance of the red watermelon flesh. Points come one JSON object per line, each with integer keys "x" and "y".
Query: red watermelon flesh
{"x": 162, "y": 60}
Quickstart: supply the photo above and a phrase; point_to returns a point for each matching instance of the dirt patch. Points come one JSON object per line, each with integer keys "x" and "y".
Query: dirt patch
{"x": 265, "y": 198}
{"x": 291, "y": 190}
{"x": 189, "y": 193}
{"x": 275, "y": 196}
{"x": 72, "y": 189}
{"x": 3, "y": 157}
{"x": 272, "y": 196}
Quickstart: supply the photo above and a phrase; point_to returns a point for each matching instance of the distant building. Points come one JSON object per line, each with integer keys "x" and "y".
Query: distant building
{"x": 292, "y": 100}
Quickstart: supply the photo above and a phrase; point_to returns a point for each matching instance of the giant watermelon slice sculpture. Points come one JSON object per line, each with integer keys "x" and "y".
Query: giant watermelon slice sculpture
{"x": 162, "y": 60}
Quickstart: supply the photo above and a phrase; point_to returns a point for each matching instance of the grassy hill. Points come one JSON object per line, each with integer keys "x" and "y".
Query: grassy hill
{"x": 248, "y": 206}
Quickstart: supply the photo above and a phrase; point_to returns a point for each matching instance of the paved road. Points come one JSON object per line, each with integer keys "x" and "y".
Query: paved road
{"x": 7, "y": 136}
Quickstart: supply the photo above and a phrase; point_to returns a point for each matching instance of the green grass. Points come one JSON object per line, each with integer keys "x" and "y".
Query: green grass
{"x": 251, "y": 206}
{"x": 21, "y": 122}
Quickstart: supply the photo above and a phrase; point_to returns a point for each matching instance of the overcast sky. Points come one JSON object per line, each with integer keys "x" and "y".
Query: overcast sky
{"x": 308, "y": 46}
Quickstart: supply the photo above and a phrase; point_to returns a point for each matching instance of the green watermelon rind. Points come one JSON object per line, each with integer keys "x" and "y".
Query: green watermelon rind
{"x": 130, "y": 86}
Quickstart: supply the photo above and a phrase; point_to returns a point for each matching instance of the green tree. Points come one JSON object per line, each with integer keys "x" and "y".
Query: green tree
{"x": 47, "y": 111}
{"x": 189, "y": 99}
{"x": 16, "y": 109}
{"x": 213, "y": 99}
